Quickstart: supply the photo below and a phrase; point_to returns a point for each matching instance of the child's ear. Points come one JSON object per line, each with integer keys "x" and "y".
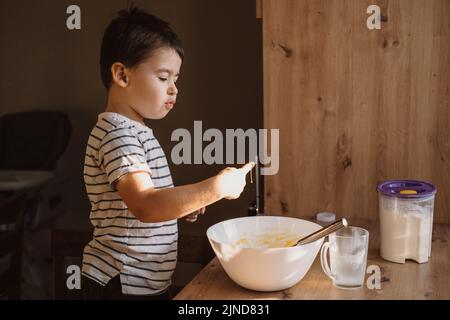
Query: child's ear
{"x": 119, "y": 74}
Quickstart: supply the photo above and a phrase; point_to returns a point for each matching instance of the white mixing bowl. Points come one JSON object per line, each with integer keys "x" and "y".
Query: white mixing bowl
{"x": 241, "y": 245}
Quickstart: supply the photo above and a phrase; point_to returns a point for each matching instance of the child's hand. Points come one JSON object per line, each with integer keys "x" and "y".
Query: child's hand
{"x": 192, "y": 217}
{"x": 231, "y": 181}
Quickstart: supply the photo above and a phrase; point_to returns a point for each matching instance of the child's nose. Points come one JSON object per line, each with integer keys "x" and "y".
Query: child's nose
{"x": 173, "y": 90}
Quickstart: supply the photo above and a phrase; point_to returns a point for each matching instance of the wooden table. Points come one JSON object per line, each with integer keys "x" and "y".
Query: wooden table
{"x": 411, "y": 280}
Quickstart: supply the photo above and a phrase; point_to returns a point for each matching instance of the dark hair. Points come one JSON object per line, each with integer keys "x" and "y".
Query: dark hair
{"x": 131, "y": 37}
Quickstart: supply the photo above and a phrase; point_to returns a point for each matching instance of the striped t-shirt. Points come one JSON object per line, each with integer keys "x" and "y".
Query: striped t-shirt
{"x": 142, "y": 254}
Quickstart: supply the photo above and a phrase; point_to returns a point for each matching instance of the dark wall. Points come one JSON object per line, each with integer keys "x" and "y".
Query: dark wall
{"x": 46, "y": 66}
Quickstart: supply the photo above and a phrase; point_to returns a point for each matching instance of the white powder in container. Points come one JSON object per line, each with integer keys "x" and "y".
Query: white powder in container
{"x": 406, "y": 228}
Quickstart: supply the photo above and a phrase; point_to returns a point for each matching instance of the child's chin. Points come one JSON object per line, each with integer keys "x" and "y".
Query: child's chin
{"x": 159, "y": 117}
{"x": 156, "y": 116}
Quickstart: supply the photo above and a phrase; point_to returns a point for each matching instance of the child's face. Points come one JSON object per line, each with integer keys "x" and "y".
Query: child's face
{"x": 152, "y": 92}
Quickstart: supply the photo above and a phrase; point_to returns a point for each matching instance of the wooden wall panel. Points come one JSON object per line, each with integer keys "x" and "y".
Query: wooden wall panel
{"x": 356, "y": 106}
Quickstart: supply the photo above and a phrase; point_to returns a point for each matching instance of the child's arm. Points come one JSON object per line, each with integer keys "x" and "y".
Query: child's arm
{"x": 156, "y": 205}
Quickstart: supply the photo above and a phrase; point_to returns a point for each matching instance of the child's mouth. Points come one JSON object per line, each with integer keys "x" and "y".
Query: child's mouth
{"x": 169, "y": 105}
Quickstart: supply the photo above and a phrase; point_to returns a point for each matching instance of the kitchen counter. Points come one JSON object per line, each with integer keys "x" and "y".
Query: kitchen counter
{"x": 411, "y": 280}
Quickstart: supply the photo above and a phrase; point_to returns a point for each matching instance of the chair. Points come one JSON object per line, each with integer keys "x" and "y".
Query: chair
{"x": 35, "y": 140}
{"x": 12, "y": 210}
{"x": 70, "y": 244}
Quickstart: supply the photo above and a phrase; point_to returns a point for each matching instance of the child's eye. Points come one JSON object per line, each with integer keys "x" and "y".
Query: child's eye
{"x": 162, "y": 79}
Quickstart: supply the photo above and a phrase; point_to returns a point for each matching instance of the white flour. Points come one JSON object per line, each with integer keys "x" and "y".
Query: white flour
{"x": 406, "y": 228}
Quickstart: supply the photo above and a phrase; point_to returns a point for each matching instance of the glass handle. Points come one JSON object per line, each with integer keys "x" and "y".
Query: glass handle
{"x": 324, "y": 260}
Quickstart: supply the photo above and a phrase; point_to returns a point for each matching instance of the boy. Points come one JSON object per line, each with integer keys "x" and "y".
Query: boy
{"x": 135, "y": 205}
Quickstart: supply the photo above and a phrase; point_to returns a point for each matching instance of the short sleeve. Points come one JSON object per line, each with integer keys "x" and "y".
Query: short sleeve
{"x": 120, "y": 153}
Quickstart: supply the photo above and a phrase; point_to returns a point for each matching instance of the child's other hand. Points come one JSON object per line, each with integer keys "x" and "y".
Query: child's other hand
{"x": 192, "y": 217}
{"x": 231, "y": 181}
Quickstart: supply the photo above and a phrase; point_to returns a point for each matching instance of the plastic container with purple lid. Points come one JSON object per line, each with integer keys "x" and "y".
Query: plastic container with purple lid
{"x": 406, "y": 219}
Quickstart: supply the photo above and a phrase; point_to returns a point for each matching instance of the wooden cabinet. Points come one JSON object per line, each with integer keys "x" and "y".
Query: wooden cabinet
{"x": 355, "y": 106}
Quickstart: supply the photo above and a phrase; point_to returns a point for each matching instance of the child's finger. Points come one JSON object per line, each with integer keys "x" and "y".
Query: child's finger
{"x": 191, "y": 218}
{"x": 247, "y": 167}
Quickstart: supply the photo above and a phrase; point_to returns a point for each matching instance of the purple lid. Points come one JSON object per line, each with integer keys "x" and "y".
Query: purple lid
{"x": 406, "y": 189}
